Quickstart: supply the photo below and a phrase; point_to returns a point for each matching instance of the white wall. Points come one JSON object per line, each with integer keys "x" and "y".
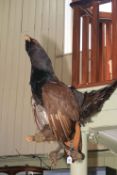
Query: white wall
{"x": 44, "y": 20}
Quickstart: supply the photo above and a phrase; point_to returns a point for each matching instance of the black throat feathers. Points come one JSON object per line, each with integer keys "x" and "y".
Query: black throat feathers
{"x": 37, "y": 79}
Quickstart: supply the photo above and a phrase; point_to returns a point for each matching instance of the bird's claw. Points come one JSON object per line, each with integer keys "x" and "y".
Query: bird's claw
{"x": 53, "y": 157}
{"x": 76, "y": 156}
{"x": 41, "y": 137}
{"x": 31, "y": 138}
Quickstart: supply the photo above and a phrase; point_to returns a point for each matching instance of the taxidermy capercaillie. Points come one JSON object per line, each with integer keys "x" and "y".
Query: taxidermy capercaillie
{"x": 59, "y": 110}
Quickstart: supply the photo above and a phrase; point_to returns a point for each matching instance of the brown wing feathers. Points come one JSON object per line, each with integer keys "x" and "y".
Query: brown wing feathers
{"x": 64, "y": 111}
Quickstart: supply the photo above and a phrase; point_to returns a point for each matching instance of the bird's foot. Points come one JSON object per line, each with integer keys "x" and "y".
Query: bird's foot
{"x": 39, "y": 137}
{"x": 76, "y": 156}
{"x": 29, "y": 138}
{"x": 53, "y": 157}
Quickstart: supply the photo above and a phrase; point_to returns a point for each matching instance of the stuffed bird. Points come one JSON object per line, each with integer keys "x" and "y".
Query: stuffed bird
{"x": 60, "y": 110}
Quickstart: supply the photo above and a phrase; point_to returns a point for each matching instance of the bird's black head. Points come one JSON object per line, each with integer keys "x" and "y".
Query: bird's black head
{"x": 38, "y": 57}
{"x": 30, "y": 44}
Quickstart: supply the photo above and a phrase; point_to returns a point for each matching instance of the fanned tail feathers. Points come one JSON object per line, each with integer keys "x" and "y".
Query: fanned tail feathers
{"x": 94, "y": 100}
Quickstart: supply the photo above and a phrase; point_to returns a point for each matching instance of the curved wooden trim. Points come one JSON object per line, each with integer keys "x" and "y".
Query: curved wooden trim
{"x": 17, "y": 169}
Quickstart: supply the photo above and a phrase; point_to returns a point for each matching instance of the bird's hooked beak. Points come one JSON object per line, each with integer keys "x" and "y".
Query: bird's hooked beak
{"x": 29, "y": 43}
{"x": 27, "y": 38}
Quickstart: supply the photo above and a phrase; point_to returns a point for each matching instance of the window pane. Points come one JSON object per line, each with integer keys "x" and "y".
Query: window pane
{"x": 68, "y": 27}
{"x": 106, "y": 7}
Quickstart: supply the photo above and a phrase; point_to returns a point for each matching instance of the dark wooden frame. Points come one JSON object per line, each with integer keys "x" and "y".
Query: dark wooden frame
{"x": 100, "y": 55}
